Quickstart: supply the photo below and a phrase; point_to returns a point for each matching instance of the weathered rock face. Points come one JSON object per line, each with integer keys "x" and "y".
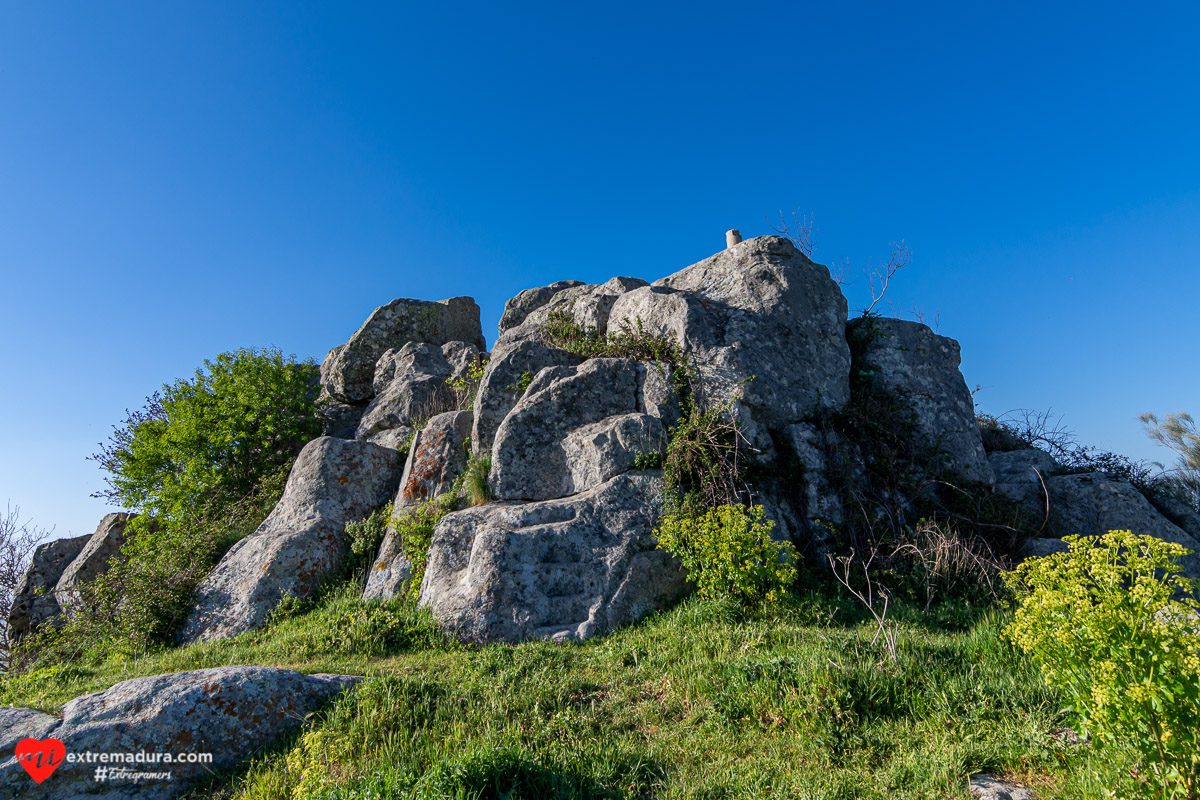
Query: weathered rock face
{"x": 587, "y": 305}
{"x": 563, "y": 570}
{"x": 33, "y": 599}
{"x": 228, "y": 712}
{"x": 395, "y": 438}
{"x": 410, "y": 385}
{"x": 519, "y": 307}
{"x": 501, "y": 387}
{"x": 922, "y": 367}
{"x": 341, "y": 419}
{"x": 103, "y": 546}
{"x": 603, "y": 450}
{"x": 391, "y": 572}
{"x": 437, "y": 458}
{"x": 1020, "y": 475}
{"x": 301, "y": 543}
{"x": 348, "y": 371}
{"x": 817, "y": 499}
{"x": 758, "y": 309}
{"x": 1093, "y": 503}
{"x": 528, "y": 459}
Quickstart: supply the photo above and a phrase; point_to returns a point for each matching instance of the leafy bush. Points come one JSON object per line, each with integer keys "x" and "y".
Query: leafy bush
{"x": 1103, "y": 622}
{"x": 213, "y": 438}
{"x": 728, "y": 552}
{"x": 414, "y": 527}
{"x": 364, "y": 538}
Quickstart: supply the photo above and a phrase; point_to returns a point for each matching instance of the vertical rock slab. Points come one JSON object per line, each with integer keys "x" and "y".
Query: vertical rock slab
{"x": 563, "y": 570}
{"x": 228, "y": 712}
{"x": 348, "y": 371}
{"x": 301, "y": 543}
{"x": 922, "y": 367}
{"x": 33, "y": 598}
{"x": 103, "y": 547}
{"x": 437, "y": 458}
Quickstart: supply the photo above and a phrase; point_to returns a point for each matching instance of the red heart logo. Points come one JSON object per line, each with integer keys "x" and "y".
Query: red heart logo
{"x": 40, "y": 757}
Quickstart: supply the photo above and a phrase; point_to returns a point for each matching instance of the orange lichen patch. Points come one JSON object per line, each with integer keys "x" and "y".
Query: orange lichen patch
{"x": 343, "y": 480}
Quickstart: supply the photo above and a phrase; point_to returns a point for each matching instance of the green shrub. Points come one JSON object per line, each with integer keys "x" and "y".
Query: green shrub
{"x": 466, "y": 386}
{"x": 1103, "y": 622}
{"x": 414, "y": 527}
{"x": 212, "y": 438}
{"x": 728, "y": 552}
{"x": 364, "y": 538}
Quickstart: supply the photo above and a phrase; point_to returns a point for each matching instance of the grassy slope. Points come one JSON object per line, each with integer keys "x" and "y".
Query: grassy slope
{"x": 698, "y": 702}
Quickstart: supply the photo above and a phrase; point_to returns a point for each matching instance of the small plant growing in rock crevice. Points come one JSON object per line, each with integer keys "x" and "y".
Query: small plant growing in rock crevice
{"x": 630, "y": 341}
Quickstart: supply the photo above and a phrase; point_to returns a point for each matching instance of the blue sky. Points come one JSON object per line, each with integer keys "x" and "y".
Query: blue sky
{"x": 181, "y": 179}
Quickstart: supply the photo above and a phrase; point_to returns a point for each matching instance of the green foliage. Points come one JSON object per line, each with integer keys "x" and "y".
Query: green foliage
{"x": 413, "y": 526}
{"x": 648, "y": 460}
{"x": 631, "y": 341}
{"x": 522, "y": 383}
{"x": 1103, "y": 622}
{"x": 475, "y": 486}
{"x": 729, "y": 553}
{"x": 364, "y": 538}
{"x": 137, "y": 604}
{"x": 466, "y": 386}
{"x": 214, "y": 437}
{"x": 702, "y": 466}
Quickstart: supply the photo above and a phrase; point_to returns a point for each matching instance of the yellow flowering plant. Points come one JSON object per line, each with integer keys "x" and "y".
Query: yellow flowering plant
{"x": 1114, "y": 625}
{"x": 728, "y": 552}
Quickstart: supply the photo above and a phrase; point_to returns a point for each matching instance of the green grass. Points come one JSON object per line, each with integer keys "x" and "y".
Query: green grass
{"x": 704, "y": 701}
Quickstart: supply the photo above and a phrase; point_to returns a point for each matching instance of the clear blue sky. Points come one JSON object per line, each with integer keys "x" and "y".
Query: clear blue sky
{"x": 180, "y": 179}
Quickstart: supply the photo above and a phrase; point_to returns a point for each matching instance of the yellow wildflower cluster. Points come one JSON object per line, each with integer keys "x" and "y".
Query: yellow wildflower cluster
{"x": 1113, "y": 623}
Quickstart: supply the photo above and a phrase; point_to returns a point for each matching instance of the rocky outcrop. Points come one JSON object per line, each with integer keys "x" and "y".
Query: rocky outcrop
{"x": 229, "y": 712}
{"x": 759, "y": 321}
{"x": 528, "y": 301}
{"x": 815, "y": 500}
{"x": 1094, "y": 503}
{"x": 348, "y": 371}
{"x": 340, "y": 419}
{"x": 529, "y": 461}
{"x": 33, "y": 601}
{"x": 301, "y": 543}
{"x": 587, "y": 305}
{"x": 603, "y": 450}
{"x": 922, "y": 368}
{"x": 411, "y": 386}
{"x": 1020, "y": 476}
{"x": 103, "y": 547}
{"x": 505, "y": 381}
{"x": 563, "y": 569}
{"x": 437, "y": 458}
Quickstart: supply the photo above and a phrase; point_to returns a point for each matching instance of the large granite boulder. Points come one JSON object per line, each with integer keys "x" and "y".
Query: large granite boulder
{"x": 505, "y": 381}
{"x": 1094, "y": 503}
{"x": 922, "y": 368}
{"x": 1021, "y": 474}
{"x": 814, "y": 498}
{"x": 529, "y": 461}
{"x": 228, "y": 712}
{"x": 563, "y": 570}
{"x": 102, "y": 548}
{"x": 33, "y": 599}
{"x": 348, "y": 371}
{"x": 603, "y": 450}
{"x": 411, "y": 385}
{"x": 528, "y": 301}
{"x": 301, "y": 543}
{"x": 340, "y": 419}
{"x": 759, "y": 321}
